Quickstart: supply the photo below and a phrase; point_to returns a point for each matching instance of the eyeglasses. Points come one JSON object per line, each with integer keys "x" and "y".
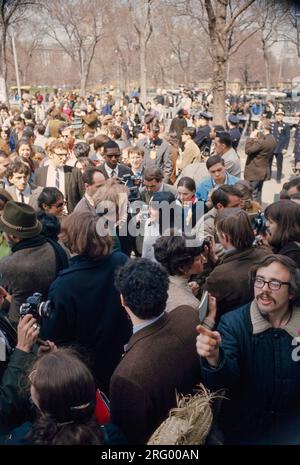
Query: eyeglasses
{"x": 273, "y": 285}
{"x": 61, "y": 155}
{"x": 59, "y": 205}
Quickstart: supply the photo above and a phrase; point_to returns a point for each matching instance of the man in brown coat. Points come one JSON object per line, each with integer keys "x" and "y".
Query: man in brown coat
{"x": 259, "y": 148}
{"x": 159, "y": 360}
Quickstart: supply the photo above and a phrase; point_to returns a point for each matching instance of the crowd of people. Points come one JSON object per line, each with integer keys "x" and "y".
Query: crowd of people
{"x": 114, "y": 227}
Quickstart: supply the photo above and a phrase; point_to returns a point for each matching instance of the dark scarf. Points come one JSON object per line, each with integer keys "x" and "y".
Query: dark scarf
{"x": 60, "y": 255}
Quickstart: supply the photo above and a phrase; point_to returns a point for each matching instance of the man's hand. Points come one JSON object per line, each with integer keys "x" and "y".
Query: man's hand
{"x": 284, "y": 151}
{"x": 28, "y": 332}
{"x": 46, "y": 346}
{"x": 208, "y": 345}
{"x": 194, "y": 287}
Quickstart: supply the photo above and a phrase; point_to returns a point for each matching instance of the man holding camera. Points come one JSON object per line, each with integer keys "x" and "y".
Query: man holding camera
{"x": 34, "y": 262}
{"x": 254, "y": 355}
{"x": 259, "y": 148}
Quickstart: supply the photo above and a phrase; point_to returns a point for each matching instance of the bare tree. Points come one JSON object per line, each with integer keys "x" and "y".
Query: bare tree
{"x": 77, "y": 26}
{"x": 219, "y": 20}
{"x": 12, "y": 12}
{"x": 291, "y": 30}
{"x": 271, "y": 16}
{"x": 141, "y": 14}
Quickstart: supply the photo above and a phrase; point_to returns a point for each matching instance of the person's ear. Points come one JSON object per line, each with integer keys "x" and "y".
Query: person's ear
{"x": 45, "y": 207}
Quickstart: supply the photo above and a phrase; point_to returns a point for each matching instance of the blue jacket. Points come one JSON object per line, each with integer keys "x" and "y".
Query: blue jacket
{"x": 207, "y": 184}
{"x": 261, "y": 377}
{"x": 87, "y": 311}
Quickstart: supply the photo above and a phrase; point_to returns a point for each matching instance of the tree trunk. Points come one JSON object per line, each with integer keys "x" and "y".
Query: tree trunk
{"x": 83, "y": 83}
{"x": 267, "y": 69}
{"x": 3, "y": 69}
{"x": 143, "y": 71}
{"x": 220, "y": 57}
{"x": 219, "y": 92}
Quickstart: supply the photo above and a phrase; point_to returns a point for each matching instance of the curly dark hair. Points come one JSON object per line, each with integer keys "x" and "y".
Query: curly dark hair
{"x": 144, "y": 287}
{"x": 174, "y": 255}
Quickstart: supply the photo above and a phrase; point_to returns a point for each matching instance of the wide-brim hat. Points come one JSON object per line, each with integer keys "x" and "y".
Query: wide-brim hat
{"x": 20, "y": 220}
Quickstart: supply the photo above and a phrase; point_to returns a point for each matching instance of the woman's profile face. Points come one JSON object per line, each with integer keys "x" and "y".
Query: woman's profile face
{"x": 197, "y": 266}
{"x": 271, "y": 228}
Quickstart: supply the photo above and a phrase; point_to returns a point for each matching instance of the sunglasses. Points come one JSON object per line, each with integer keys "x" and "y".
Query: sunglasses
{"x": 59, "y": 205}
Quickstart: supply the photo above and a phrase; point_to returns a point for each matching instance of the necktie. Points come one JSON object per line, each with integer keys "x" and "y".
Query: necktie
{"x": 113, "y": 173}
{"x": 22, "y": 197}
{"x": 57, "y": 178}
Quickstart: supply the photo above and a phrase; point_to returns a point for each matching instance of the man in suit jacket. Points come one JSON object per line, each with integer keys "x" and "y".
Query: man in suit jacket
{"x": 153, "y": 182}
{"x": 57, "y": 174}
{"x": 157, "y": 151}
{"x": 92, "y": 178}
{"x": 21, "y": 191}
{"x": 111, "y": 167}
{"x": 191, "y": 153}
{"x": 159, "y": 359}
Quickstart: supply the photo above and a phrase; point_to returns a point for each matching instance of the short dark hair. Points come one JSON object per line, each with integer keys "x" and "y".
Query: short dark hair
{"x": 50, "y": 223}
{"x": 17, "y": 167}
{"x": 190, "y": 131}
{"x": 153, "y": 173}
{"x": 285, "y": 261}
{"x": 110, "y": 145}
{"x": 225, "y": 138}
{"x": 88, "y": 174}
{"x": 174, "y": 255}
{"x": 213, "y": 160}
{"x": 28, "y": 132}
{"x": 81, "y": 149}
{"x": 188, "y": 183}
{"x": 49, "y": 196}
{"x": 144, "y": 286}
{"x": 295, "y": 182}
{"x": 221, "y": 195}
{"x": 40, "y": 129}
{"x": 100, "y": 140}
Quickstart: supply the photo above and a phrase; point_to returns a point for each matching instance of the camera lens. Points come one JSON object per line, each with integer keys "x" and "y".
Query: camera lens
{"x": 45, "y": 309}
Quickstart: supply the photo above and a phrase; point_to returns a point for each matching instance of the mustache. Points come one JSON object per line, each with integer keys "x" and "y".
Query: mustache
{"x": 268, "y": 296}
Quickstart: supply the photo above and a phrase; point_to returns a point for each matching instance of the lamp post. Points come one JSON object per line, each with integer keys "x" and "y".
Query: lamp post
{"x": 16, "y": 65}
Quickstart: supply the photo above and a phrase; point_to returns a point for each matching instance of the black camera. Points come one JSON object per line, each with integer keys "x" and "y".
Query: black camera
{"x": 133, "y": 183}
{"x": 259, "y": 223}
{"x": 36, "y": 307}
